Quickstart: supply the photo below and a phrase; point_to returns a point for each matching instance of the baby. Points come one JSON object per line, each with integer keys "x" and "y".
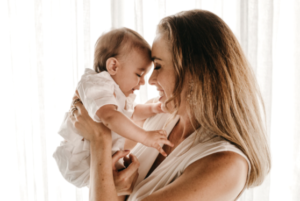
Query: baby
{"x": 121, "y": 61}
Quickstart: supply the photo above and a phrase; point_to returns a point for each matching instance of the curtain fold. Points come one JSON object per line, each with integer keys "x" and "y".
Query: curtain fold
{"x": 296, "y": 149}
{"x": 46, "y": 44}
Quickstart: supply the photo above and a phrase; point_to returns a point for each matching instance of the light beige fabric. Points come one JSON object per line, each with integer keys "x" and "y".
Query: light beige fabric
{"x": 174, "y": 165}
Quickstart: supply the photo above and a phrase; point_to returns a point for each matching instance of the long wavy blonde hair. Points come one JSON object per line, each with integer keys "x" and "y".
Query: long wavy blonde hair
{"x": 226, "y": 99}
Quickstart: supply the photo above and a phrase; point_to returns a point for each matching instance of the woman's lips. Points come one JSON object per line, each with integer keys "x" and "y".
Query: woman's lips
{"x": 161, "y": 93}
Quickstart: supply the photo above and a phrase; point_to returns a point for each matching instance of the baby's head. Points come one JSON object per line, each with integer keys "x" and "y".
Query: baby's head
{"x": 126, "y": 56}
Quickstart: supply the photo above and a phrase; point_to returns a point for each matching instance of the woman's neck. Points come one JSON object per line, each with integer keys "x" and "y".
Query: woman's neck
{"x": 184, "y": 127}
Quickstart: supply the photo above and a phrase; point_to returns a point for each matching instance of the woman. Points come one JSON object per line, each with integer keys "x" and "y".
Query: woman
{"x": 213, "y": 117}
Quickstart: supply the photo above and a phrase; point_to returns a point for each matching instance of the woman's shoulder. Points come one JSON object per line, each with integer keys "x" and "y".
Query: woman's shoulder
{"x": 214, "y": 146}
{"x": 214, "y": 162}
{"x": 220, "y": 168}
{"x": 217, "y": 152}
{"x": 220, "y": 158}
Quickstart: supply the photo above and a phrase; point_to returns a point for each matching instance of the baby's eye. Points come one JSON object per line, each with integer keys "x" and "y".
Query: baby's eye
{"x": 138, "y": 75}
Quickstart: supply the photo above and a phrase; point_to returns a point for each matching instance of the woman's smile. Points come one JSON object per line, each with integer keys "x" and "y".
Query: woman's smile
{"x": 161, "y": 94}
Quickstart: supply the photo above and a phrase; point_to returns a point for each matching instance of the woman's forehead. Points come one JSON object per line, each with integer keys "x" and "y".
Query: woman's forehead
{"x": 160, "y": 48}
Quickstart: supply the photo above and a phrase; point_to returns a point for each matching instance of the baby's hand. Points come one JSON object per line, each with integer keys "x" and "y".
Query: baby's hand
{"x": 156, "y": 108}
{"x": 155, "y": 138}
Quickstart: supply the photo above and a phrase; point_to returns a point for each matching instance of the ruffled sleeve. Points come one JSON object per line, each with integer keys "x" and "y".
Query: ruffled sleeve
{"x": 96, "y": 90}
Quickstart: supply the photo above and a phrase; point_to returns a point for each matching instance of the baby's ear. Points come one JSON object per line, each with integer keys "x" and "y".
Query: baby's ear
{"x": 112, "y": 65}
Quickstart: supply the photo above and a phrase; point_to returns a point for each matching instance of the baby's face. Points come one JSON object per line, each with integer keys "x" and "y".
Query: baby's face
{"x": 134, "y": 66}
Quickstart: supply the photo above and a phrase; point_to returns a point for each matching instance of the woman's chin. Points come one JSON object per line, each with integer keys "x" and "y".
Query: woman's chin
{"x": 162, "y": 99}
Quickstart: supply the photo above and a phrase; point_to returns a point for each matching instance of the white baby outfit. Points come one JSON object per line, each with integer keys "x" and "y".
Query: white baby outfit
{"x": 95, "y": 90}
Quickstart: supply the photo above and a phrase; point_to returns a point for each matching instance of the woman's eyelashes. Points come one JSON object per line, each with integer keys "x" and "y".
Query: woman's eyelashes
{"x": 157, "y": 67}
{"x": 138, "y": 75}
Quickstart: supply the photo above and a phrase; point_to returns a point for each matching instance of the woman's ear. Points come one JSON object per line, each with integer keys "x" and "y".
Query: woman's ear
{"x": 112, "y": 65}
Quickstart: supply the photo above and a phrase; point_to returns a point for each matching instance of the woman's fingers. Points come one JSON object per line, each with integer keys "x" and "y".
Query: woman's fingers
{"x": 135, "y": 178}
{"x": 127, "y": 161}
{"x": 76, "y": 109}
{"x": 125, "y": 179}
{"x": 73, "y": 119}
{"x": 78, "y": 105}
{"x": 117, "y": 156}
{"x": 80, "y": 110}
{"x": 76, "y": 95}
{"x": 133, "y": 167}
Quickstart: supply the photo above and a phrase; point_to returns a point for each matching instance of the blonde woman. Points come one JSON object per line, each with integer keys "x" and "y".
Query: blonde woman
{"x": 213, "y": 117}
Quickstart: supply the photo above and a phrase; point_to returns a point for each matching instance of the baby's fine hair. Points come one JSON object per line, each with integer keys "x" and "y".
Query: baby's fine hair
{"x": 115, "y": 43}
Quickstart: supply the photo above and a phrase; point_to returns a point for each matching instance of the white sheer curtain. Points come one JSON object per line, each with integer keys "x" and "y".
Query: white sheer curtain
{"x": 46, "y": 44}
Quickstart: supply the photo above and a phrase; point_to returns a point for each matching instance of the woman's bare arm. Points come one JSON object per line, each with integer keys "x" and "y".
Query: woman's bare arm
{"x": 218, "y": 177}
{"x": 102, "y": 185}
{"x": 106, "y": 182}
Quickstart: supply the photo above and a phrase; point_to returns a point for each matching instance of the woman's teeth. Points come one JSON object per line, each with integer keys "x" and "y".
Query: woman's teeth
{"x": 161, "y": 93}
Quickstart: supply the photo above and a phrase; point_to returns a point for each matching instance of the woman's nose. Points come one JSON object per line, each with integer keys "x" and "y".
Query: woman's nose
{"x": 152, "y": 79}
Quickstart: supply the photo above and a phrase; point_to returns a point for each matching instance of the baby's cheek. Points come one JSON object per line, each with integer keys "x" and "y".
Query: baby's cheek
{"x": 138, "y": 81}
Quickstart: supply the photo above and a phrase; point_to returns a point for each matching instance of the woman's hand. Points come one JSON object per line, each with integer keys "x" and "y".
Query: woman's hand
{"x": 86, "y": 126}
{"x": 126, "y": 178}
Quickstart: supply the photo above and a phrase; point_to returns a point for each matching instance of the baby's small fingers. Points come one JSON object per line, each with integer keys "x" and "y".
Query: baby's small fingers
{"x": 167, "y": 142}
{"x": 162, "y": 136}
{"x": 161, "y": 150}
{"x": 163, "y": 132}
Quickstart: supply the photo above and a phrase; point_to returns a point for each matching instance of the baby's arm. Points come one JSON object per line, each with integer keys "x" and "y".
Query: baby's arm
{"x": 144, "y": 111}
{"x": 122, "y": 125}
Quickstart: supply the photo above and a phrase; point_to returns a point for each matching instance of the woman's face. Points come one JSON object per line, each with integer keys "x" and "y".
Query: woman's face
{"x": 163, "y": 76}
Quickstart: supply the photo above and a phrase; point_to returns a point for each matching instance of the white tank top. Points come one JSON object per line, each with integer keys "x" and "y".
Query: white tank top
{"x": 174, "y": 165}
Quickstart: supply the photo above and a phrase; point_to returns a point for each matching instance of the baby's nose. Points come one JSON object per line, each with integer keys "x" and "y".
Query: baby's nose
{"x": 152, "y": 79}
{"x": 142, "y": 81}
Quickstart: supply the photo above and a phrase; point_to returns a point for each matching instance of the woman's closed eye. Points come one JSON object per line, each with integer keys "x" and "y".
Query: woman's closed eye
{"x": 138, "y": 75}
{"x": 157, "y": 67}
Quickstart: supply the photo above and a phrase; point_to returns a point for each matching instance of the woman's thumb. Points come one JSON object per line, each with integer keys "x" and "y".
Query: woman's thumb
{"x": 117, "y": 156}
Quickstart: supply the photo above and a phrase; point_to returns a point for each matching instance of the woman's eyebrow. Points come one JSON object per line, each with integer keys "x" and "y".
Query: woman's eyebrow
{"x": 153, "y": 58}
{"x": 142, "y": 69}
